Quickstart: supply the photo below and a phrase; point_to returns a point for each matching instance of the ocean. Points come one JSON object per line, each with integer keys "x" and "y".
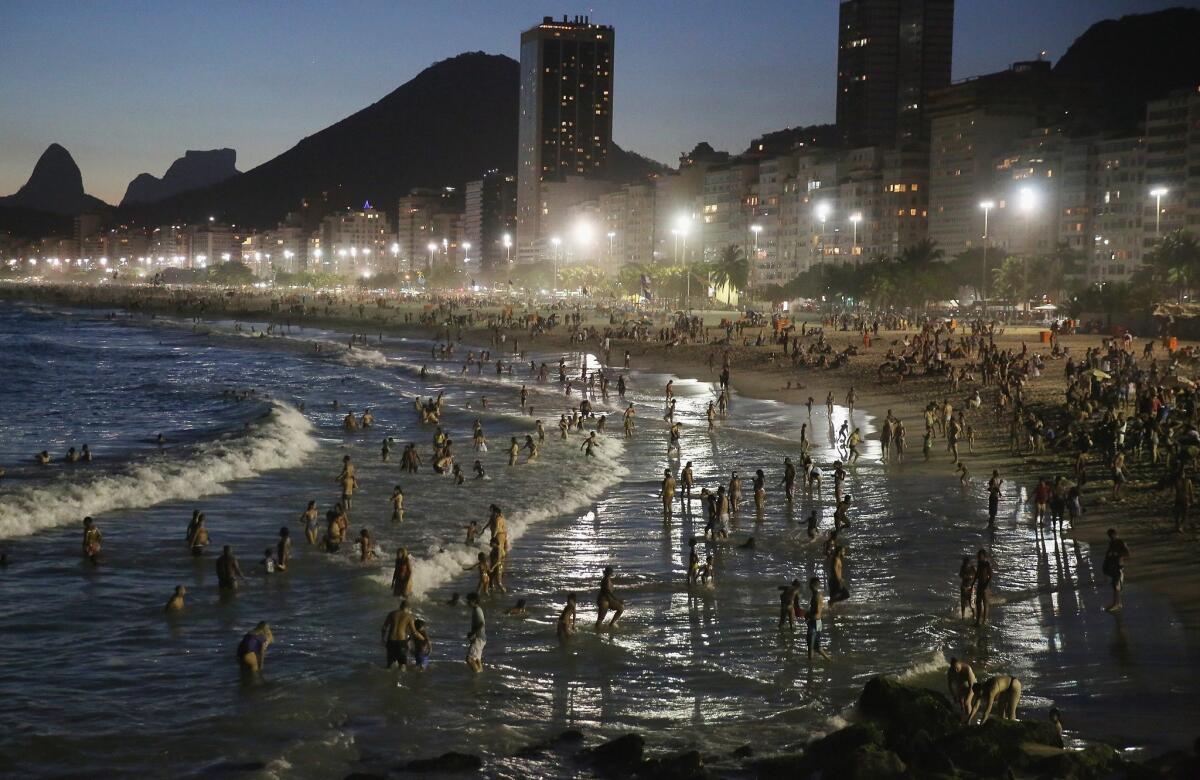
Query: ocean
{"x": 95, "y": 678}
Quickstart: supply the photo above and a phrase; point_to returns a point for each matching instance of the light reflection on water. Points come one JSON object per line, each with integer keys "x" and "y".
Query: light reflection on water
{"x": 704, "y": 668}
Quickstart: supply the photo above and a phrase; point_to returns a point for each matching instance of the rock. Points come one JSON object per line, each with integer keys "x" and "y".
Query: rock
{"x": 996, "y": 747}
{"x": 783, "y": 767}
{"x": 446, "y": 762}
{"x": 903, "y": 710}
{"x": 364, "y": 776}
{"x": 1093, "y": 763}
{"x": 623, "y": 753}
{"x": 871, "y": 762}
{"x": 745, "y": 751}
{"x": 684, "y": 766}
{"x": 838, "y": 746}
{"x": 570, "y": 735}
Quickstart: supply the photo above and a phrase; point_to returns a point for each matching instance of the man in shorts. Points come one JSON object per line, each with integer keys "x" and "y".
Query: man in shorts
{"x": 477, "y": 636}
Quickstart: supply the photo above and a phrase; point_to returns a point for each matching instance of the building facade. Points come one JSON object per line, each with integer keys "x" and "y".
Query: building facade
{"x": 891, "y": 55}
{"x": 565, "y": 116}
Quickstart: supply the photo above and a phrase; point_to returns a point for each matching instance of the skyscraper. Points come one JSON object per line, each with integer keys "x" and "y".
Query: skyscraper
{"x": 891, "y": 53}
{"x": 565, "y": 114}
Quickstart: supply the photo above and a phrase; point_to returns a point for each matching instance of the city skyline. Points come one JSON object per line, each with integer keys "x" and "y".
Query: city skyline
{"x": 111, "y": 98}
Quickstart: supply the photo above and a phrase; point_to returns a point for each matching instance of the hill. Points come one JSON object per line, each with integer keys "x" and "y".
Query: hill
{"x": 448, "y": 125}
{"x": 1117, "y": 65}
{"x": 55, "y": 186}
{"x": 192, "y": 171}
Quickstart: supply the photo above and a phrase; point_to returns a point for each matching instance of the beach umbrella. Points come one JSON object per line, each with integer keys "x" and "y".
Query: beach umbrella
{"x": 1100, "y": 374}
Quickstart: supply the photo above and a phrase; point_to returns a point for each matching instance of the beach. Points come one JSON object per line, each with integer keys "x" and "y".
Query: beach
{"x": 703, "y": 667}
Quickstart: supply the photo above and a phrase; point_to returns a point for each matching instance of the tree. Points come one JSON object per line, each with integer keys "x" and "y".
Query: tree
{"x": 1174, "y": 265}
{"x": 920, "y": 275}
{"x": 232, "y": 274}
{"x": 1012, "y": 279}
{"x": 732, "y": 269}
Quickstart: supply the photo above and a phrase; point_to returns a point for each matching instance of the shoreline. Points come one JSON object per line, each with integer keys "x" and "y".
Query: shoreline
{"x": 1162, "y": 561}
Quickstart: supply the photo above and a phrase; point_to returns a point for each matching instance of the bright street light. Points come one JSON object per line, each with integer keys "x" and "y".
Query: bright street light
{"x": 855, "y": 218}
{"x": 557, "y": 243}
{"x": 987, "y": 206}
{"x": 1027, "y": 199}
{"x": 1157, "y": 193}
{"x": 508, "y": 248}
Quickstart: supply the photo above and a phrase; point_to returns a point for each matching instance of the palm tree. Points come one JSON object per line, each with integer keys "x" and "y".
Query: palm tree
{"x": 1175, "y": 262}
{"x": 917, "y": 275}
{"x": 732, "y": 269}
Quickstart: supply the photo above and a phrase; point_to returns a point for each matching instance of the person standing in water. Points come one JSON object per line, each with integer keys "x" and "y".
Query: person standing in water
{"x": 397, "y": 627}
{"x": 348, "y": 482}
{"x": 477, "y": 636}
{"x": 687, "y": 481}
{"x": 1114, "y": 567}
{"x": 397, "y": 501}
{"x": 228, "y": 570}
{"x": 252, "y": 650}
{"x": 982, "y": 582}
{"x": 966, "y": 586}
{"x": 402, "y": 575}
{"x": 566, "y": 619}
{"x": 667, "y": 494}
{"x": 994, "y": 485}
{"x": 815, "y": 619}
{"x": 175, "y": 603}
{"x": 606, "y": 600}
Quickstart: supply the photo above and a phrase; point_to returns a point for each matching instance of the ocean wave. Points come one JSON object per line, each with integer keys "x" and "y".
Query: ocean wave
{"x": 565, "y": 497}
{"x": 281, "y": 439}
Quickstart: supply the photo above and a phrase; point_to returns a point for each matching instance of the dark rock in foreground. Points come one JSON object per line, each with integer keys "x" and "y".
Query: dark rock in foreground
{"x": 446, "y": 762}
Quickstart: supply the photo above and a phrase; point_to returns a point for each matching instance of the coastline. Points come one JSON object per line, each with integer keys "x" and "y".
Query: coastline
{"x": 1162, "y": 560}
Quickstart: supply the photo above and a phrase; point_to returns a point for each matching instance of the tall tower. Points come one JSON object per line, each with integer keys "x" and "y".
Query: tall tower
{"x": 891, "y": 54}
{"x": 565, "y": 114}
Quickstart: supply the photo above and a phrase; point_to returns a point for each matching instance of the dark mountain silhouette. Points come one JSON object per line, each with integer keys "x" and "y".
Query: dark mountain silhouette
{"x": 190, "y": 172}
{"x": 55, "y": 186}
{"x": 1117, "y": 65}
{"x": 783, "y": 141}
{"x": 451, "y": 123}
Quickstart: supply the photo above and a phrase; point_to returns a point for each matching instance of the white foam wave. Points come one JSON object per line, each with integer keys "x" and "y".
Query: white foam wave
{"x": 281, "y": 439}
{"x": 935, "y": 662}
{"x": 568, "y": 495}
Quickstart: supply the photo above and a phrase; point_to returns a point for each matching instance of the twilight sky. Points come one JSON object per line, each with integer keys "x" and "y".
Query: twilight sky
{"x": 128, "y": 86}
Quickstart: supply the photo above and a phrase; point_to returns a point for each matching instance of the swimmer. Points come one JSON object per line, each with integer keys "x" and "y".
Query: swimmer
{"x": 812, "y": 524}
{"x": 91, "y": 541}
{"x": 348, "y": 482}
{"x": 966, "y": 586}
{"x": 517, "y": 610}
{"x": 484, "y": 583}
{"x": 175, "y": 603}
{"x": 472, "y": 532}
{"x": 606, "y": 600}
{"x": 267, "y": 564}
{"x": 394, "y": 634}
{"x": 422, "y": 647}
{"x": 479, "y": 472}
{"x": 514, "y": 449}
{"x": 982, "y": 581}
{"x": 198, "y": 536}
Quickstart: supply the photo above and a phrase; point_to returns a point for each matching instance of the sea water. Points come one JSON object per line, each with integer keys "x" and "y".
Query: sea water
{"x": 95, "y": 678}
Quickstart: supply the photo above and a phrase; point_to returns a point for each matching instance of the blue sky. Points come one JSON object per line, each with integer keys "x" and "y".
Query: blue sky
{"x": 128, "y": 86}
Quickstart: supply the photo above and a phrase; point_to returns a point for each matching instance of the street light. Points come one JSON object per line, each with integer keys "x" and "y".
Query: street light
{"x": 855, "y": 218}
{"x": 466, "y": 252}
{"x": 508, "y": 248}
{"x": 987, "y": 206}
{"x": 823, "y": 211}
{"x": 1157, "y": 193}
{"x": 557, "y": 243}
{"x": 433, "y": 248}
{"x": 611, "y": 235}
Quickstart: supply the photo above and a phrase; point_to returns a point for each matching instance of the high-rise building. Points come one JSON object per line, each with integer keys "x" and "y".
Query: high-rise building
{"x": 565, "y": 115}
{"x": 891, "y": 53}
{"x": 490, "y": 218}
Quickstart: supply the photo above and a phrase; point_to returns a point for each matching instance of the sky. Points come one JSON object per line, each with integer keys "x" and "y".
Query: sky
{"x": 128, "y": 86}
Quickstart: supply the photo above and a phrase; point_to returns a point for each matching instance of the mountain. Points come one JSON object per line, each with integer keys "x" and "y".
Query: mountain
{"x": 1117, "y": 65}
{"x": 783, "y": 141}
{"x": 55, "y": 186}
{"x": 190, "y": 172}
{"x": 450, "y": 124}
